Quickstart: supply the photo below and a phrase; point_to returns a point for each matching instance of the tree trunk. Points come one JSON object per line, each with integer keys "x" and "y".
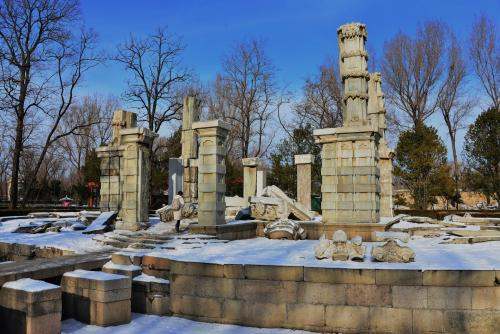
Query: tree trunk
{"x": 18, "y": 147}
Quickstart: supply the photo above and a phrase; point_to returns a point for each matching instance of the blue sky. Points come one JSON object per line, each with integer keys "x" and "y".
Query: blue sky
{"x": 299, "y": 34}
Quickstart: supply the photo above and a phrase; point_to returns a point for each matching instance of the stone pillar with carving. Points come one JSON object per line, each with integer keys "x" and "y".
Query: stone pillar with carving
{"x": 304, "y": 166}
{"x": 250, "y": 166}
{"x": 376, "y": 100}
{"x": 350, "y": 174}
{"x": 190, "y": 114}
{"x": 211, "y": 171}
{"x": 125, "y": 171}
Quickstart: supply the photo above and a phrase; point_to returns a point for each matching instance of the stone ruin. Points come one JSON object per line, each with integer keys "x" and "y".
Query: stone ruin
{"x": 339, "y": 248}
{"x": 353, "y": 155}
{"x": 125, "y": 171}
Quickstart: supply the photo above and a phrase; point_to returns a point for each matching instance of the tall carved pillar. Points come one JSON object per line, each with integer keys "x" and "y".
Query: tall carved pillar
{"x": 211, "y": 171}
{"x": 190, "y": 114}
{"x": 304, "y": 164}
{"x": 378, "y": 112}
{"x": 125, "y": 171}
{"x": 350, "y": 176}
{"x": 250, "y": 166}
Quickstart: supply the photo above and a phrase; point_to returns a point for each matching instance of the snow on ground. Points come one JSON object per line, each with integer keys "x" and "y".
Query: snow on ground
{"x": 429, "y": 254}
{"x": 67, "y": 240}
{"x": 152, "y": 324}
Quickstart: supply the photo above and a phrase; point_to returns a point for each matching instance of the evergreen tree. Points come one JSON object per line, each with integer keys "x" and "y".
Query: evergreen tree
{"x": 482, "y": 154}
{"x": 420, "y": 162}
{"x": 283, "y": 171}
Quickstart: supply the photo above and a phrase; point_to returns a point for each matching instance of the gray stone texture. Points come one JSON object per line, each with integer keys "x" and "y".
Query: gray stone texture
{"x": 125, "y": 171}
{"x": 190, "y": 114}
{"x": 211, "y": 171}
{"x": 304, "y": 165}
{"x": 350, "y": 173}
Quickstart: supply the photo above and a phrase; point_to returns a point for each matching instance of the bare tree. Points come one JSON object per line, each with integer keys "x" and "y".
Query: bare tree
{"x": 455, "y": 106}
{"x": 246, "y": 95}
{"x": 412, "y": 69}
{"x": 71, "y": 60}
{"x": 97, "y": 111}
{"x": 485, "y": 56}
{"x": 157, "y": 76}
{"x": 30, "y": 31}
{"x": 322, "y": 104}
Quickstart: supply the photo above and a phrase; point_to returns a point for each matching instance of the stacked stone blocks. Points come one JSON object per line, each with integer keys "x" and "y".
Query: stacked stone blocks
{"x": 190, "y": 114}
{"x": 96, "y": 298}
{"x": 125, "y": 171}
{"x": 250, "y": 166}
{"x": 30, "y": 307}
{"x": 337, "y": 300}
{"x": 211, "y": 171}
{"x": 350, "y": 174}
{"x": 304, "y": 169}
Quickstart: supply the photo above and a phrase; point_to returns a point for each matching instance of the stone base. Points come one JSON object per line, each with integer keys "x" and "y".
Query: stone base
{"x": 151, "y": 296}
{"x": 30, "y": 307}
{"x": 228, "y": 231}
{"x": 314, "y": 230}
{"x": 96, "y": 298}
{"x": 121, "y": 225}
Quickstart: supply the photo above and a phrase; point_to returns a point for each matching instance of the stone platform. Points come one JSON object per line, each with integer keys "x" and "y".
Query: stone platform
{"x": 337, "y": 299}
{"x": 314, "y": 230}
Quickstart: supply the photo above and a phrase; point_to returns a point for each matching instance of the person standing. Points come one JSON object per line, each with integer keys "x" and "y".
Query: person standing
{"x": 177, "y": 205}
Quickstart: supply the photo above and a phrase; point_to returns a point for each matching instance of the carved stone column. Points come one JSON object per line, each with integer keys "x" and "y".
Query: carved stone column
{"x": 250, "y": 166}
{"x": 350, "y": 176}
{"x": 304, "y": 165}
{"x": 125, "y": 171}
{"x": 190, "y": 114}
{"x": 211, "y": 171}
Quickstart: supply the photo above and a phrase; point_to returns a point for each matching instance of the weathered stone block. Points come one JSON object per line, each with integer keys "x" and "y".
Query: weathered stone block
{"x": 347, "y": 319}
{"x": 196, "y": 306}
{"x": 203, "y": 286}
{"x": 337, "y": 275}
{"x": 368, "y": 295}
{"x": 486, "y": 298}
{"x": 254, "y": 314}
{"x": 266, "y": 292}
{"x": 197, "y": 269}
{"x": 110, "y": 314}
{"x": 46, "y": 324}
{"x": 234, "y": 271}
{"x": 155, "y": 262}
{"x": 428, "y": 321}
{"x": 413, "y": 297}
{"x": 305, "y": 315}
{"x": 277, "y": 273}
{"x": 470, "y": 322}
{"x": 449, "y": 298}
{"x": 393, "y": 320}
{"x": 321, "y": 293}
{"x": 459, "y": 277}
{"x": 398, "y": 277}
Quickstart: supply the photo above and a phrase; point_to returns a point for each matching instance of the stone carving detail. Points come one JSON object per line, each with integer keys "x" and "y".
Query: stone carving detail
{"x": 190, "y": 210}
{"x": 340, "y": 248}
{"x": 284, "y": 229}
{"x": 392, "y": 251}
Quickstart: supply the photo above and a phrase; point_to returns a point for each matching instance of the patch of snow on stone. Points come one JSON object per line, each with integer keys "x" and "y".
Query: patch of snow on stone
{"x": 30, "y": 285}
{"x": 111, "y": 265}
{"x": 430, "y": 254}
{"x": 93, "y": 275}
{"x": 148, "y": 278}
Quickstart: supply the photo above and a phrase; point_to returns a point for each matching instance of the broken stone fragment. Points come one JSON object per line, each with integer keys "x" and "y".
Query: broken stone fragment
{"x": 324, "y": 249}
{"x": 356, "y": 249}
{"x": 392, "y": 251}
{"x": 339, "y": 236}
{"x": 284, "y": 229}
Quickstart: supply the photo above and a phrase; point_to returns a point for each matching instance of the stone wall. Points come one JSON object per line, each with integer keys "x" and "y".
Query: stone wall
{"x": 337, "y": 300}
